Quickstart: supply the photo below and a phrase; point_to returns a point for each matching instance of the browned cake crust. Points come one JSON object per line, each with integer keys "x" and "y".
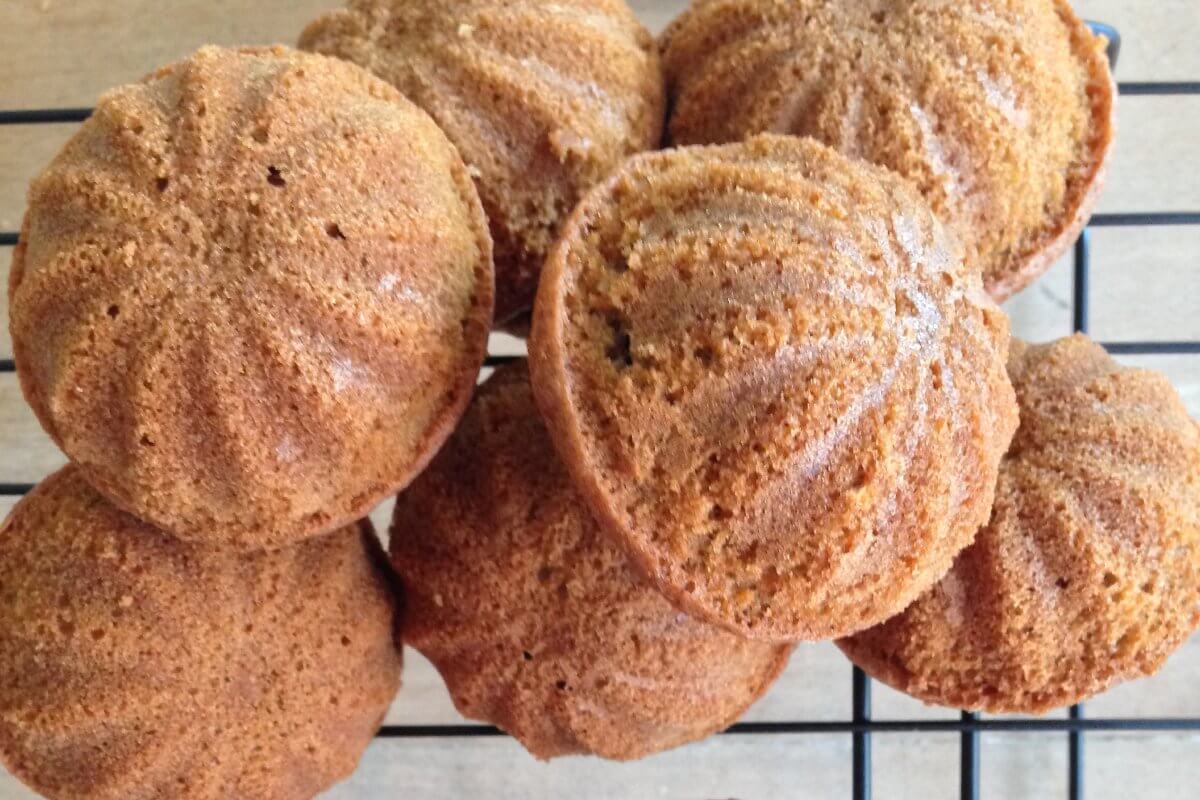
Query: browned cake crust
{"x": 252, "y": 295}
{"x": 137, "y": 667}
{"x": 543, "y": 98}
{"x": 535, "y": 620}
{"x": 776, "y": 382}
{"x": 1002, "y": 113}
{"x": 1089, "y": 572}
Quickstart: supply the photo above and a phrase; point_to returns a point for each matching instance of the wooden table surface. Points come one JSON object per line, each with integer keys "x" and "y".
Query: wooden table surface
{"x": 1145, "y": 285}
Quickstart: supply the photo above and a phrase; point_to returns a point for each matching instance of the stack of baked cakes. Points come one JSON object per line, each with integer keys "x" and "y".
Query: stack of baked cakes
{"x": 769, "y": 398}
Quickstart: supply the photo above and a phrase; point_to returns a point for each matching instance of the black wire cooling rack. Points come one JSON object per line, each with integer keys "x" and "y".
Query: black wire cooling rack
{"x": 861, "y": 726}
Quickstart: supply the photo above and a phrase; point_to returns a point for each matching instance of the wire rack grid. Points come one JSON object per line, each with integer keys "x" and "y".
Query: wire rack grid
{"x": 861, "y": 726}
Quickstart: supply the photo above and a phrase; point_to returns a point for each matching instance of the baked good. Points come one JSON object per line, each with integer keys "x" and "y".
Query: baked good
{"x": 535, "y": 620}
{"x": 137, "y": 666}
{"x": 1002, "y": 113}
{"x": 1089, "y": 571}
{"x": 542, "y": 98}
{"x": 251, "y": 295}
{"x": 773, "y": 378}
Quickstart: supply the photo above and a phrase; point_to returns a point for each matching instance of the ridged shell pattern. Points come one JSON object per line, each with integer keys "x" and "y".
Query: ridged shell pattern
{"x": 1001, "y": 111}
{"x": 137, "y": 667}
{"x": 542, "y": 99}
{"x": 535, "y": 620}
{"x": 252, "y": 295}
{"x": 1089, "y": 571}
{"x": 774, "y": 378}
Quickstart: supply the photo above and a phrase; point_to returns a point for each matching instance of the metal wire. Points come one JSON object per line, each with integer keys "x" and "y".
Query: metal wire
{"x": 1075, "y": 757}
{"x": 968, "y": 759}
{"x": 969, "y": 724}
{"x": 862, "y": 726}
{"x": 1080, "y": 311}
{"x": 861, "y": 712}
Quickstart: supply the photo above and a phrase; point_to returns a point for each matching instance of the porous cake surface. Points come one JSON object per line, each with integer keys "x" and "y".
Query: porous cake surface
{"x": 1002, "y": 112}
{"x": 138, "y": 667}
{"x": 1089, "y": 571}
{"x": 535, "y": 619}
{"x": 774, "y": 379}
{"x": 251, "y": 295}
{"x": 542, "y": 98}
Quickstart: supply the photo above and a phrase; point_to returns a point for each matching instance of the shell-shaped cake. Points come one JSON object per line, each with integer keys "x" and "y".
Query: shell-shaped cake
{"x": 542, "y": 98}
{"x": 137, "y": 666}
{"x": 1088, "y": 573}
{"x": 252, "y": 295}
{"x": 773, "y": 377}
{"x": 535, "y": 620}
{"x": 1001, "y": 112}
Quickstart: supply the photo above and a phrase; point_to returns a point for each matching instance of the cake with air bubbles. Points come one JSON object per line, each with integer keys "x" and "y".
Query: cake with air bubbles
{"x": 535, "y": 620}
{"x": 543, "y": 99}
{"x": 137, "y": 666}
{"x": 775, "y": 380}
{"x": 1002, "y": 113}
{"x": 251, "y": 295}
{"x": 1088, "y": 573}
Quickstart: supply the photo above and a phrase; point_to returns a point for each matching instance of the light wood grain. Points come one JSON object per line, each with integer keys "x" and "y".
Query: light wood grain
{"x": 26, "y": 454}
{"x": 816, "y": 686}
{"x": 1158, "y": 38}
{"x": 5, "y": 340}
{"x": 1142, "y": 288}
{"x": 1118, "y": 767}
{"x": 1156, "y": 136}
{"x": 65, "y": 52}
{"x": 1143, "y": 284}
{"x": 25, "y": 150}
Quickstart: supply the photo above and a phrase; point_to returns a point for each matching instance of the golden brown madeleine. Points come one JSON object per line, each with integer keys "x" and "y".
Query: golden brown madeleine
{"x": 137, "y": 666}
{"x": 772, "y": 376}
{"x": 1001, "y": 112}
{"x": 1089, "y": 572}
{"x": 252, "y": 295}
{"x": 535, "y": 620}
{"x": 542, "y": 98}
